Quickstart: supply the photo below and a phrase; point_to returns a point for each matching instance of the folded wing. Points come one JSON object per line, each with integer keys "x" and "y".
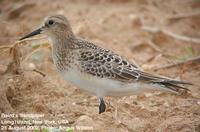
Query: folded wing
{"x": 106, "y": 64}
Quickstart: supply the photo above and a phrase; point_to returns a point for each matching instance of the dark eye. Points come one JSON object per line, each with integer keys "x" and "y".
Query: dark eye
{"x": 51, "y": 22}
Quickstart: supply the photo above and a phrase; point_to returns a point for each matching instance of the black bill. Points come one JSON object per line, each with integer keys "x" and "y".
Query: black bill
{"x": 36, "y": 32}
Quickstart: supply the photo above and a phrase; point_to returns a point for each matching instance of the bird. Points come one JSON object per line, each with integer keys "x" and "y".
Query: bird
{"x": 97, "y": 70}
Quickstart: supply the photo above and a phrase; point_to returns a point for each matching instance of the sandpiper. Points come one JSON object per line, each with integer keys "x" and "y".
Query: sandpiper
{"x": 95, "y": 69}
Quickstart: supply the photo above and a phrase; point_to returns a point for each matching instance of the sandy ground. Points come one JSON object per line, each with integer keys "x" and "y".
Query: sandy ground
{"x": 118, "y": 25}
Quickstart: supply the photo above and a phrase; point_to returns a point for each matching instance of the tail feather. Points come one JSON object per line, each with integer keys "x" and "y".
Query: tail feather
{"x": 174, "y": 85}
{"x": 171, "y": 84}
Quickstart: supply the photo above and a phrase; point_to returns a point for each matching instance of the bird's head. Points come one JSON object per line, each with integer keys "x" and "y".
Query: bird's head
{"x": 53, "y": 26}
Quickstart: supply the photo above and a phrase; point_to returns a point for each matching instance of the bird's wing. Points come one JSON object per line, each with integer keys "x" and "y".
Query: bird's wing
{"x": 106, "y": 64}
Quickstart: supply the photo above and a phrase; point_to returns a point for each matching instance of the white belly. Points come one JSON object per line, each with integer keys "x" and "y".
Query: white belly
{"x": 100, "y": 87}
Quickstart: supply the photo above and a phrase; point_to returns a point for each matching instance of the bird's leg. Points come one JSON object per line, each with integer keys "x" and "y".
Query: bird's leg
{"x": 102, "y": 106}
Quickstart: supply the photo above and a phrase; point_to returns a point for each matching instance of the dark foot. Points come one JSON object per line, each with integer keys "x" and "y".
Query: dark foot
{"x": 102, "y": 106}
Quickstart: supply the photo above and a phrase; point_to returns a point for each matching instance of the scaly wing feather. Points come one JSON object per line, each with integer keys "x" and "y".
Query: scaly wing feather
{"x": 106, "y": 64}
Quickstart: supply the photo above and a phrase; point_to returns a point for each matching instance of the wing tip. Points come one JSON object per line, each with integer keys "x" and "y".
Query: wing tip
{"x": 175, "y": 85}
